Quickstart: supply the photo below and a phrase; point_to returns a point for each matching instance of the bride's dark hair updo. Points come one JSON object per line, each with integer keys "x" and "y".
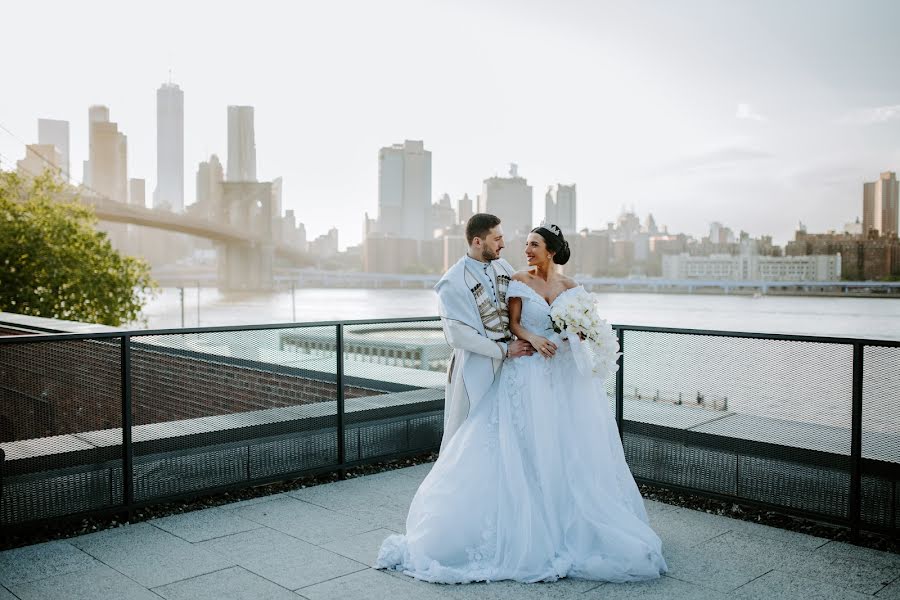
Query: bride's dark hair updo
{"x": 555, "y": 242}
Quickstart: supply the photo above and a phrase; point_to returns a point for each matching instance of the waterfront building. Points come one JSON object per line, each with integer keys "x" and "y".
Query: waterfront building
{"x": 749, "y": 265}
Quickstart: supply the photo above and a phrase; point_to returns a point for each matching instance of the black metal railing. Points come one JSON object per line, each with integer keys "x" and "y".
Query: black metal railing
{"x": 106, "y": 422}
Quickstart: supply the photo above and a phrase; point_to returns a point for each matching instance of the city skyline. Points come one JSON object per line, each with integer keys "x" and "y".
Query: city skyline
{"x": 747, "y": 114}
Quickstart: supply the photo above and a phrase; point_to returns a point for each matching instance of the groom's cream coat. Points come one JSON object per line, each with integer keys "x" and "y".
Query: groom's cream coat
{"x": 476, "y": 359}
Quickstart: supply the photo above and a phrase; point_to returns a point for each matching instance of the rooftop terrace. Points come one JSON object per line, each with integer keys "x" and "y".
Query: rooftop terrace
{"x": 319, "y": 542}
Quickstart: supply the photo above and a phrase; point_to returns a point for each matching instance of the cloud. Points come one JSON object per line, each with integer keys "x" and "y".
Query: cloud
{"x": 745, "y": 112}
{"x": 720, "y": 158}
{"x": 872, "y": 115}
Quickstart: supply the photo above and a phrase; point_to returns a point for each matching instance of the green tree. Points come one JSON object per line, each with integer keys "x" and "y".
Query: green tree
{"x": 54, "y": 263}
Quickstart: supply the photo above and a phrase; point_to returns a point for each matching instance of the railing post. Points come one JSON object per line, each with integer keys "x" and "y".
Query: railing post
{"x": 620, "y": 381}
{"x": 340, "y": 399}
{"x": 127, "y": 421}
{"x": 855, "y": 503}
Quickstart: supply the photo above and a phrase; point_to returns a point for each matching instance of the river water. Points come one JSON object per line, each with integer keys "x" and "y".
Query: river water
{"x": 877, "y": 318}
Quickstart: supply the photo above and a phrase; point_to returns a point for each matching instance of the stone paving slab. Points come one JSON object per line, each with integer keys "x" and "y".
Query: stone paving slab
{"x": 511, "y": 590}
{"x": 801, "y": 540}
{"x": 149, "y": 555}
{"x": 778, "y": 585}
{"x": 309, "y": 522}
{"x": 362, "y": 547}
{"x": 752, "y": 546}
{"x": 97, "y": 583}
{"x": 202, "y": 525}
{"x": 251, "y": 501}
{"x": 390, "y": 516}
{"x": 834, "y": 549}
{"x": 352, "y": 493}
{"x": 713, "y": 569}
{"x": 5, "y": 594}
{"x": 233, "y": 583}
{"x": 31, "y": 563}
{"x": 664, "y": 588}
{"x": 682, "y": 528}
{"x": 285, "y": 560}
{"x": 371, "y": 584}
{"x": 417, "y": 472}
{"x": 867, "y": 577}
{"x": 891, "y": 592}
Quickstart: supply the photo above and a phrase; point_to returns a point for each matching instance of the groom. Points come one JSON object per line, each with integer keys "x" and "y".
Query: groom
{"x": 474, "y": 314}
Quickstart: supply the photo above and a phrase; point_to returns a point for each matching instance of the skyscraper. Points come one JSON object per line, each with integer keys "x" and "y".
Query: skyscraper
{"x": 40, "y": 158}
{"x": 277, "y": 186}
{"x": 108, "y": 163}
{"x": 209, "y": 188}
{"x": 241, "y": 144}
{"x": 56, "y": 133}
{"x": 96, "y": 114}
{"x": 509, "y": 198}
{"x": 442, "y": 213}
{"x": 169, "y": 148}
{"x": 880, "y": 205}
{"x": 404, "y": 191}
{"x": 137, "y": 192}
{"x": 560, "y": 207}
{"x": 464, "y": 209}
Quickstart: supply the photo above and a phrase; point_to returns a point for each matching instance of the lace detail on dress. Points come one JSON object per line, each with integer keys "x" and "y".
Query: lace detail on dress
{"x": 481, "y": 555}
{"x": 492, "y": 429}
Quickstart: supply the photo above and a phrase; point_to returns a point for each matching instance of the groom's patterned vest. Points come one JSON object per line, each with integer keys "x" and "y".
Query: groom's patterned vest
{"x": 494, "y": 318}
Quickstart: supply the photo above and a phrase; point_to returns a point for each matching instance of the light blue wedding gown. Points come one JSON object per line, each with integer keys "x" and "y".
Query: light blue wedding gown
{"x": 534, "y": 484}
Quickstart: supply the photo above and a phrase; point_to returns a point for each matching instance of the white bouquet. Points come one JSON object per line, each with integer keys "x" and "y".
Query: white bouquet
{"x": 593, "y": 341}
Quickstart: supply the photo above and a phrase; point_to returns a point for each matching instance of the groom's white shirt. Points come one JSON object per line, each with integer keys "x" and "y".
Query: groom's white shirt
{"x": 476, "y": 358}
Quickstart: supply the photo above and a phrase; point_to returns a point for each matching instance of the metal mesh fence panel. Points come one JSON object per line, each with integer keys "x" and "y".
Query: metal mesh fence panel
{"x": 60, "y": 428}
{"x": 394, "y": 388}
{"x": 764, "y": 420}
{"x": 880, "y": 436}
{"x": 760, "y": 419}
{"x": 220, "y": 408}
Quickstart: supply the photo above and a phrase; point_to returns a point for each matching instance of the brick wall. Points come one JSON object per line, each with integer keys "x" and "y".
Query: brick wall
{"x": 54, "y": 388}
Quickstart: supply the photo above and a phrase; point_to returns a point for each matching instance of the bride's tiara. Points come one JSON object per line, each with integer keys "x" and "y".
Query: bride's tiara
{"x": 551, "y": 228}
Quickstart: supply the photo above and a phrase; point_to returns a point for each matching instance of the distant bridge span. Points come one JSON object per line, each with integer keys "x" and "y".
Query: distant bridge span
{"x": 118, "y": 212}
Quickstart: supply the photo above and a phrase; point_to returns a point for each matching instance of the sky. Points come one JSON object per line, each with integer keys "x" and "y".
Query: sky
{"x": 758, "y": 114}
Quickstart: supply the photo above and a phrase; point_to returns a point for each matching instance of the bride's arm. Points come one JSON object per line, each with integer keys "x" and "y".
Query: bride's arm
{"x": 515, "y": 315}
{"x": 541, "y": 344}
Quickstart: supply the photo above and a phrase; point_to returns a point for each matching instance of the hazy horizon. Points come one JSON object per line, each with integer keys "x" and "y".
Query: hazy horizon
{"x": 755, "y": 114}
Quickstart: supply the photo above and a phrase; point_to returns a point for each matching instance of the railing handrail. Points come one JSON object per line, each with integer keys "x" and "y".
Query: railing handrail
{"x": 790, "y": 337}
{"x": 59, "y": 337}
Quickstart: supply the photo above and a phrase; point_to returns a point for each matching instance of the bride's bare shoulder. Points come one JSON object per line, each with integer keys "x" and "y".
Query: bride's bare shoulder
{"x": 569, "y": 282}
{"x": 522, "y": 276}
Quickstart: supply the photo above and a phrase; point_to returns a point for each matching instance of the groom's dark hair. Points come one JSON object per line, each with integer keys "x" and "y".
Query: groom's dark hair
{"x": 479, "y": 225}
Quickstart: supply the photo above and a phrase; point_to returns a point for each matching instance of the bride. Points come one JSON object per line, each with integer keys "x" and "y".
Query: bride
{"x": 534, "y": 485}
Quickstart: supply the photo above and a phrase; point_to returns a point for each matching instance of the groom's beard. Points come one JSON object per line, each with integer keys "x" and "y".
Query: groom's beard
{"x": 489, "y": 255}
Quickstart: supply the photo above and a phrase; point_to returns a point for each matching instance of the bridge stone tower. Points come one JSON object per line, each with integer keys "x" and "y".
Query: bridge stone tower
{"x": 247, "y": 205}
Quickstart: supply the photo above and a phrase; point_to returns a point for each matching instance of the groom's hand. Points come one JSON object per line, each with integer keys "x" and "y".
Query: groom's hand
{"x": 519, "y": 348}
